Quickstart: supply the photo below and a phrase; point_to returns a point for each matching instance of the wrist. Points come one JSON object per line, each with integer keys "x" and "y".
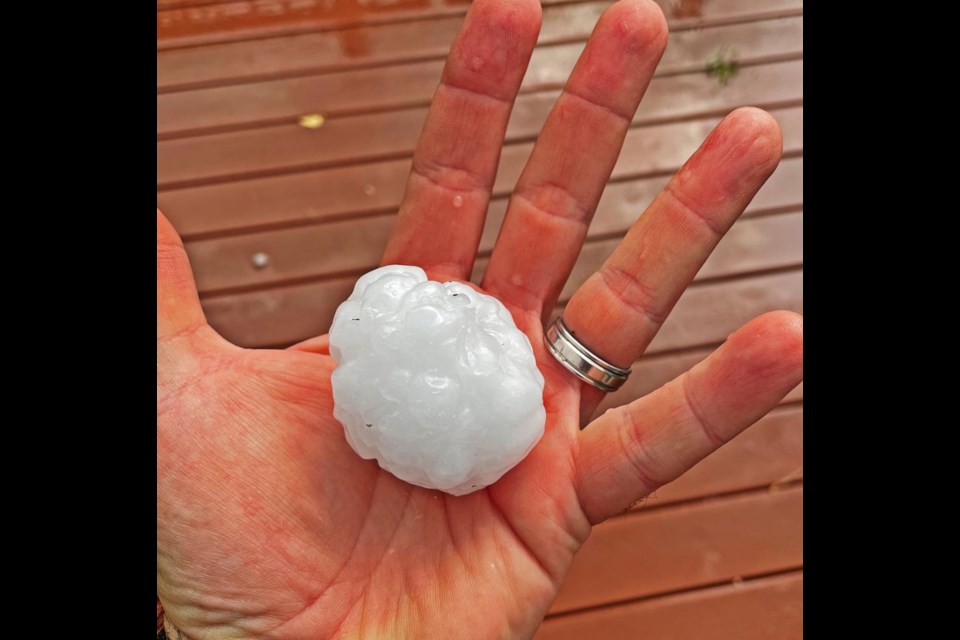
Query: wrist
{"x": 171, "y": 631}
{"x": 166, "y": 629}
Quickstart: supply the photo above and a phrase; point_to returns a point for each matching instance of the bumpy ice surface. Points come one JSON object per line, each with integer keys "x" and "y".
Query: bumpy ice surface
{"x": 434, "y": 380}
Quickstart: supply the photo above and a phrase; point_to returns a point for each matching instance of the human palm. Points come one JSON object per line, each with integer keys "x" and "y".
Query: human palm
{"x": 270, "y": 526}
{"x": 297, "y": 536}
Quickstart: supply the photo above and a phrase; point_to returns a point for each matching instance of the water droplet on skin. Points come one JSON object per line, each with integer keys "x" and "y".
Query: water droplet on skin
{"x": 369, "y": 189}
{"x": 457, "y": 201}
{"x": 476, "y": 63}
{"x": 260, "y": 260}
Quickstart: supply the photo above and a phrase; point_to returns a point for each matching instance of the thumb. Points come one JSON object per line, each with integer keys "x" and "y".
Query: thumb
{"x": 178, "y": 305}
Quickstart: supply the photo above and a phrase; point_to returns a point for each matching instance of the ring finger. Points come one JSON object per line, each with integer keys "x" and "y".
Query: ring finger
{"x": 620, "y": 308}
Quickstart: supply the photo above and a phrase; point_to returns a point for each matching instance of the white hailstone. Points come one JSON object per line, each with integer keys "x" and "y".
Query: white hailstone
{"x": 434, "y": 380}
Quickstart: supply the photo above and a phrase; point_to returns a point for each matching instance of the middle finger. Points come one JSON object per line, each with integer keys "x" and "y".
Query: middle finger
{"x": 455, "y": 162}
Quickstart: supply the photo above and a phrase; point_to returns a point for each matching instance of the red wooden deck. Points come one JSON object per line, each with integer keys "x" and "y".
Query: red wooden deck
{"x": 718, "y": 552}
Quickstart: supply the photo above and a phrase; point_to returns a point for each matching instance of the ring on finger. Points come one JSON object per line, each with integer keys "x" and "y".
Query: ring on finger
{"x": 580, "y": 361}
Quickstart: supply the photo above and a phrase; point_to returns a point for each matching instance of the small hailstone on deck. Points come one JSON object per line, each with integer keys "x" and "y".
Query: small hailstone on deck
{"x": 434, "y": 380}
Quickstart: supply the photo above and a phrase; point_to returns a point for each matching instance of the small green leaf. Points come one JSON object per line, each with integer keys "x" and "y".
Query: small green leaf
{"x": 723, "y": 67}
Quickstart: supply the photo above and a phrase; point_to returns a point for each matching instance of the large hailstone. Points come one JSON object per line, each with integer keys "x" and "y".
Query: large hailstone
{"x": 435, "y": 381}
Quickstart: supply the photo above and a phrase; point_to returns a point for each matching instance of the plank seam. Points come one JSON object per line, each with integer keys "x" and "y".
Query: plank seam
{"x": 751, "y": 577}
{"x": 681, "y": 24}
{"x": 680, "y": 69}
{"x": 369, "y": 20}
{"x": 388, "y": 211}
{"x": 772, "y": 487}
{"x": 226, "y": 178}
{"x": 752, "y": 273}
{"x": 356, "y": 273}
{"x": 306, "y": 72}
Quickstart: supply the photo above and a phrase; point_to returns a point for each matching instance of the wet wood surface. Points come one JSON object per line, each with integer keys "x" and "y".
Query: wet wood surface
{"x": 758, "y": 609}
{"x": 273, "y": 101}
{"x": 715, "y": 554}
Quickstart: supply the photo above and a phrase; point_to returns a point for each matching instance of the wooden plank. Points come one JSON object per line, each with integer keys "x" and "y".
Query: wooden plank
{"x": 410, "y": 84}
{"x": 623, "y": 202}
{"x": 182, "y": 4}
{"x": 367, "y": 45}
{"x": 355, "y": 245}
{"x": 758, "y": 609}
{"x": 706, "y": 314}
{"x": 750, "y": 245}
{"x": 709, "y": 313}
{"x": 276, "y": 149}
{"x": 226, "y": 21}
{"x": 424, "y": 7}
{"x": 767, "y": 453}
{"x": 378, "y": 187}
{"x": 370, "y": 45}
{"x": 656, "y": 369}
{"x": 203, "y": 22}
{"x": 658, "y": 551}
{"x": 265, "y": 19}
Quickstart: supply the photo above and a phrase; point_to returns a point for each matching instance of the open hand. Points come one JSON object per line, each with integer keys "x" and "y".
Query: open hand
{"x": 270, "y": 526}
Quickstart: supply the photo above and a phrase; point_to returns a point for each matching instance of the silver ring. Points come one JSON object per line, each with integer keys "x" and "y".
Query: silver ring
{"x": 580, "y": 361}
